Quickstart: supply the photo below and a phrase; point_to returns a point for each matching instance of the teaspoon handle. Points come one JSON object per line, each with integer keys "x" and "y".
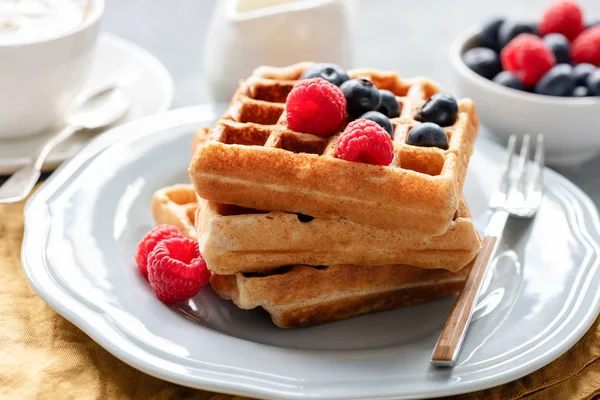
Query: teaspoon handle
{"x": 55, "y": 140}
{"x": 18, "y": 186}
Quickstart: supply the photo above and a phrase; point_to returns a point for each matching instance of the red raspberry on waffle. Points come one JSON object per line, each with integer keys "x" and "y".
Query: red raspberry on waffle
{"x": 367, "y": 142}
{"x": 315, "y": 106}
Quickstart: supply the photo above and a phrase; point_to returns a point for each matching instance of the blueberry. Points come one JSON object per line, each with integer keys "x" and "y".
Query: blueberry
{"x": 440, "y": 109}
{"x": 580, "y": 91}
{"x": 559, "y": 46}
{"x": 361, "y": 96}
{"x": 389, "y": 105}
{"x": 534, "y": 28}
{"x": 593, "y": 83}
{"x": 330, "y": 72}
{"x": 507, "y": 79}
{"x": 557, "y": 82}
{"x": 488, "y": 36}
{"x": 428, "y": 134}
{"x": 581, "y": 72}
{"x": 483, "y": 61}
{"x": 511, "y": 29}
{"x": 381, "y": 120}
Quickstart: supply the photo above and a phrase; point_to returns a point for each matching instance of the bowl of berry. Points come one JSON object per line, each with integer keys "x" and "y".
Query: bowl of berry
{"x": 541, "y": 77}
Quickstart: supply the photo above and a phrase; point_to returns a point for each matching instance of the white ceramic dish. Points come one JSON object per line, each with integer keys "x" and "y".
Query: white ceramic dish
{"x": 146, "y": 80}
{"x": 82, "y": 228}
{"x": 39, "y": 79}
{"x": 570, "y": 125}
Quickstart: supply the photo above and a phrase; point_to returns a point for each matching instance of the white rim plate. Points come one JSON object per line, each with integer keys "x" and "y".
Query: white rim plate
{"x": 82, "y": 226}
{"x": 144, "y": 78}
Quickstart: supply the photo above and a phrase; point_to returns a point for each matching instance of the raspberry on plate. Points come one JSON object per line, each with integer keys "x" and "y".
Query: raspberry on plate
{"x": 563, "y": 17}
{"x": 528, "y": 58}
{"x": 586, "y": 48}
{"x": 367, "y": 142}
{"x": 147, "y": 244}
{"x": 176, "y": 270}
{"x": 315, "y": 106}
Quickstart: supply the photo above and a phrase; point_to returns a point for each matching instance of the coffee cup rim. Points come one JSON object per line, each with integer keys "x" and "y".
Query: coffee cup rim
{"x": 92, "y": 18}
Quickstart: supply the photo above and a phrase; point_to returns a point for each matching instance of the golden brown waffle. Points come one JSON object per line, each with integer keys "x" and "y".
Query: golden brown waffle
{"x": 253, "y": 160}
{"x": 200, "y": 137}
{"x": 176, "y": 205}
{"x": 233, "y": 239}
{"x": 301, "y": 296}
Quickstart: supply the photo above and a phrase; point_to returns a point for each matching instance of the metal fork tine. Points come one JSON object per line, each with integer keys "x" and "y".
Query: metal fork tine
{"x": 519, "y": 178}
{"x": 510, "y": 152}
{"x": 535, "y": 178}
{"x": 539, "y": 151}
{"x": 524, "y": 153}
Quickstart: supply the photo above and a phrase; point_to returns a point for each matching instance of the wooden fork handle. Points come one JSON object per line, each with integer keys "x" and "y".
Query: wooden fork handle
{"x": 450, "y": 341}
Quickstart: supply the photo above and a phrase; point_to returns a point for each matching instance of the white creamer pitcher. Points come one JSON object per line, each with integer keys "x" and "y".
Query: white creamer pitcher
{"x": 244, "y": 34}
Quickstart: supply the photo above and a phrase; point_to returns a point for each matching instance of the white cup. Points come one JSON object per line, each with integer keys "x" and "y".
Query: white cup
{"x": 40, "y": 78}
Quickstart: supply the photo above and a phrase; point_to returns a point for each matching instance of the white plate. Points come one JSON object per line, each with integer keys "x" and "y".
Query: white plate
{"x": 116, "y": 60}
{"x": 83, "y": 226}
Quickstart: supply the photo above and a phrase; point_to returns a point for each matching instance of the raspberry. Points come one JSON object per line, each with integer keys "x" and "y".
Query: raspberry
{"x": 315, "y": 106}
{"x": 528, "y": 58}
{"x": 176, "y": 270}
{"x": 586, "y": 48}
{"x": 152, "y": 238}
{"x": 563, "y": 17}
{"x": 365, "y": 141}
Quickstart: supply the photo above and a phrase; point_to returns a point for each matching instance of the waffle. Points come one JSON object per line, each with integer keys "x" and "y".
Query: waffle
{"x": 176, "y": 205}
{"x": 301, "y": 296}
{"x": 233, "y": 239}
{"x": 200, "y": 137}
{"x": 253, "y": 160}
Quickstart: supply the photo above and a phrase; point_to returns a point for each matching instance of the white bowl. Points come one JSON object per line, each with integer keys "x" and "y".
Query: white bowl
{"x": 570, "y": 125}
{"x": 40, "y": 79}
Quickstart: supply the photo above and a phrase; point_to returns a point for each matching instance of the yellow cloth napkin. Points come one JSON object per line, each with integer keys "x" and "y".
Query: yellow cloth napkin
{"x": 43, "y": 356}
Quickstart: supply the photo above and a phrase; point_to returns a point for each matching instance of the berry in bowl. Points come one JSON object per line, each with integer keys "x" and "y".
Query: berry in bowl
{"x": 541, "y": 77}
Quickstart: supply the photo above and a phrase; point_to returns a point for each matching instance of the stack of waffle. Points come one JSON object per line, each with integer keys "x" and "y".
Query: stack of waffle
{"x": 285, "y": 225}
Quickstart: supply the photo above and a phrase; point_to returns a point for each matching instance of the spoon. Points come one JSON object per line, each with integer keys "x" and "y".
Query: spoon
{"x": 100, "y": 109}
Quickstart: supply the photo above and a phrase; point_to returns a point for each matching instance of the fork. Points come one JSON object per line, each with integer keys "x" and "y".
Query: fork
{"x": 519, "y": 195}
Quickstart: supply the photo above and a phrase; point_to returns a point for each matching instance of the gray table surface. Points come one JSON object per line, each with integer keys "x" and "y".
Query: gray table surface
{"x": 409, "y": 36}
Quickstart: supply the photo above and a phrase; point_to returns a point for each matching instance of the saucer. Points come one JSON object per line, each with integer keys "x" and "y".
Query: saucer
{"x": 83, "y": 226}
{"x": 145, "y": 79}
